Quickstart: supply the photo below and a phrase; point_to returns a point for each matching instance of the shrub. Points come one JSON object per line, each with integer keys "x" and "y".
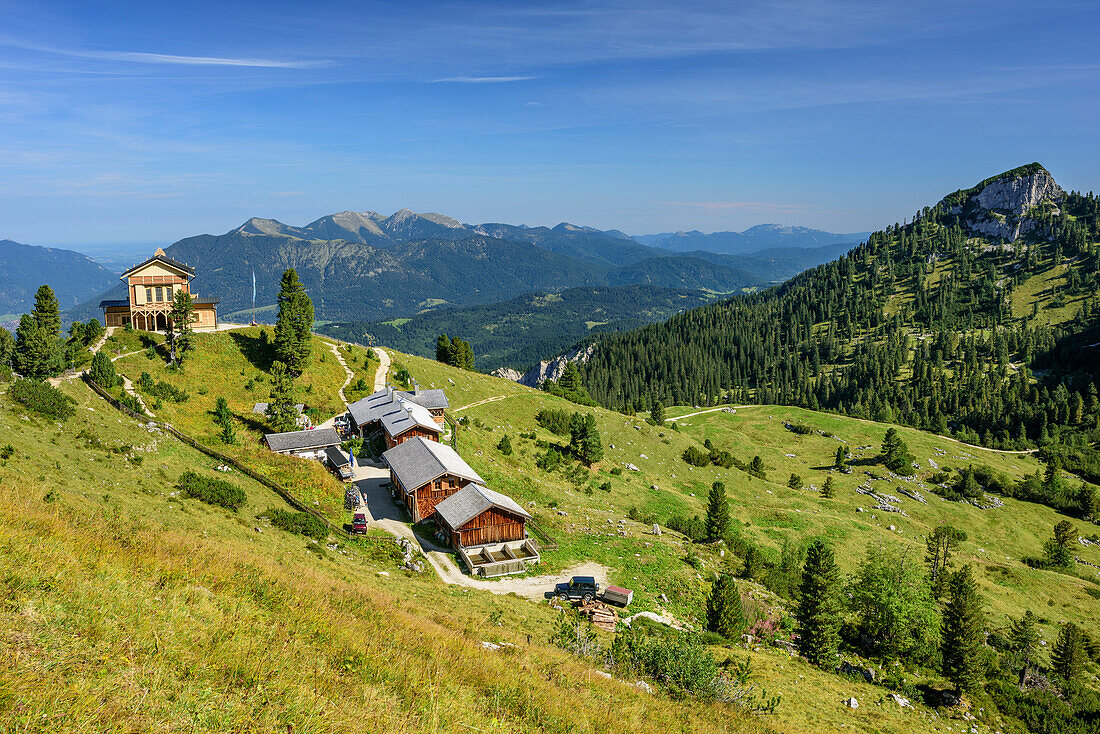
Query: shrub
{"x": 800, "y": 428}
{"x": 558, "y": 422}
{"x": 695, "y": 456}
{"x": 103, "y": 371}
{"x": 211, "y": 490}
{"x": 42, "y": 398}
{"x": 129, "y": 401}
{"x": 299, "y": 523}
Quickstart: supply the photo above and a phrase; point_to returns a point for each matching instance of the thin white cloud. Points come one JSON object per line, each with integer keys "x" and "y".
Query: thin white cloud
{"x": 141, "y": 57}
{"x": 482, "y": 79}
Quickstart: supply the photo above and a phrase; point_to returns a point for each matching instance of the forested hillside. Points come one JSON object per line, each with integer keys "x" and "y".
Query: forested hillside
{"x": 519, "y": 332}
{"x": 981, "y": 318}
{"x": 23, "y": 268}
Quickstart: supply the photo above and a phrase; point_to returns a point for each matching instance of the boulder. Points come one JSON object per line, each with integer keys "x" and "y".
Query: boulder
{"x": 852, "y": 703}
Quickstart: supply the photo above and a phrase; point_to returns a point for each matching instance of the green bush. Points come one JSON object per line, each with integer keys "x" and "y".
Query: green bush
{"x": 103, "y": 371}
{"x": 42, "y": 398}
{"x": 131, "y": 402}
{"x": 556, "y": 421}
{"x": 299, "y": 523}
{"x": 696, "y": 456}
{"x": 211, "y": 490}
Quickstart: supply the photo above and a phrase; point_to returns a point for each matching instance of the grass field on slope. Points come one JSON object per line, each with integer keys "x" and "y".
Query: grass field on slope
{"x": 127, "y": 608}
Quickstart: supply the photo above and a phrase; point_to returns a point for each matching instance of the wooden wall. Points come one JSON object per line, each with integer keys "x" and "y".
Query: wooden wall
{"x": 427, "y": 497}
{"x": 411, "y": 433}
{"x": 492, "y": 526}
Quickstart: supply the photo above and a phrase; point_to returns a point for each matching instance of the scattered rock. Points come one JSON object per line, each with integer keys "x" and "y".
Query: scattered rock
{"x": 899, "y": 700}
{"x": 656, "y": 530}
{"x": 644, "y": 686}
{"x": 852, "y": 703}
{"x": 602, "y": 674}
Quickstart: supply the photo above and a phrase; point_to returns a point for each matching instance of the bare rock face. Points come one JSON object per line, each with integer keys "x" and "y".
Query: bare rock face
{"x": 551, "y": 369}
{"x": 1003, "y": 207}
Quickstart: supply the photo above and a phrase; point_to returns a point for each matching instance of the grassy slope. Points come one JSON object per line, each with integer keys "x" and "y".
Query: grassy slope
{"x": 127, "y": 608}
{"x": 221, "y": 365}
{"x": 650, "y": 565}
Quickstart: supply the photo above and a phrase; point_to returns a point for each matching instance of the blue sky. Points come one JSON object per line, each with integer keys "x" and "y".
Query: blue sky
{"x": 146, "y": 122}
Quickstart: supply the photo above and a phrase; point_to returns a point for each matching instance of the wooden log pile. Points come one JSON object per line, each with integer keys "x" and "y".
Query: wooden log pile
{"x": 602, "y": 615}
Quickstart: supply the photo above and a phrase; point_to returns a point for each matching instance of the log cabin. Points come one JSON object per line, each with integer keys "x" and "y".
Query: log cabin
{"x": 303, "y": 444}
{"x": 424, "y": 473}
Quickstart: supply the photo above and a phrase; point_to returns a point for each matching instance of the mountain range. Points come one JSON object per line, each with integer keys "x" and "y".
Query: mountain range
{"x": 73, "y": 277}
{"x": 363, "y": 266}
{"x": 753, "y": 239}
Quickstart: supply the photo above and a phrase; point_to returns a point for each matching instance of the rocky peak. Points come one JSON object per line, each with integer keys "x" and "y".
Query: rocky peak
{"x": 545, "y": 370}
{"x": 1003, "y": 206}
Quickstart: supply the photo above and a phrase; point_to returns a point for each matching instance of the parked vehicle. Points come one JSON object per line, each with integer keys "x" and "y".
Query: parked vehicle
{"x": 359, "y": 523}
{"x": 579, "y": 588}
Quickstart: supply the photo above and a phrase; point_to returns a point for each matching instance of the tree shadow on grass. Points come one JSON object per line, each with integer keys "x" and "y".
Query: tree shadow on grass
{"x": 256, "y": 348}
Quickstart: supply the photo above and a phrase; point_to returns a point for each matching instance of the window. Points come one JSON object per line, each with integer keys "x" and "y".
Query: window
{"x": 438, "y": 484}
{"x": 160, "y": 295}
{"x": 148, "y": 295}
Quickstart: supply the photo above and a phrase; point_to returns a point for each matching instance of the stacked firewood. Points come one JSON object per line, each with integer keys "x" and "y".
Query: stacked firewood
{"x": 603, "y": 616}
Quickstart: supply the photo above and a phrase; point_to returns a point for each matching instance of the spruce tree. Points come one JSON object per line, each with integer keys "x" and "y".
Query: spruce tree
{"x": 940, "y": 544}
{"x": 718, "y": 513}
{"x": 819, "y": 606}
{"x": 795, "y": 482}
{"x": 37, "y": 355}
{"x": 224, "y": 418}
{"x": 841, "y": 459}
{"x": 725, "y": 615}
{"x": 103, "y": 371}
{"x": 505, "y": 445}
{"x": 281, "y": 411}
{"x": 963, "y": 632}
{"x": 657, "y": 413}
{"x": 756, "y": 468}
{"x": 828, "y": 490}
{"x": 1067, "y": 659}
{"x": 47, "y": 311}
{"x": 294, "y": 325}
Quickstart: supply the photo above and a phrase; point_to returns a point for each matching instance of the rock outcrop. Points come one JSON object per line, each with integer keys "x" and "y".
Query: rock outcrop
{"x": 551, "y": 369}
{"x": 1005, "y": 206}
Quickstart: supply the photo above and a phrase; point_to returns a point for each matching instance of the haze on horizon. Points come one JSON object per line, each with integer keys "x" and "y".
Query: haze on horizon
{"x": 131, "y": 122}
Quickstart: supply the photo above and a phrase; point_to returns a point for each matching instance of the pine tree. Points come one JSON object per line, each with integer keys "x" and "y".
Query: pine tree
{"x": 281, "y": 411}
{"x": 1067, "y": 659}
{"x": 224, "y": 418}
{"x": 718, "y": 513}
{"x": 505, "y": 445}
{"x": 841, "y": 459}
{"x": 963, "y": 632}
{"x": 819, "y": 606}
{"x": 828, "y": 490}
{"x": 103, "y": 371}
{"x": 570, "y": 379}
{"x": 47, "y": 311}
{"x": 1023, "y": 638}
{"x": 180, "y": 329}
{"x": 795, "y": 482}
{"x": 294, "y": 325}
{"x": 725, "y": 615}
{"x": 657, "y": 413}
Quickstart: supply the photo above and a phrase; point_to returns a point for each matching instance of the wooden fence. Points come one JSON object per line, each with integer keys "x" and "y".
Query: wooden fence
{"x": 287, "y": 496}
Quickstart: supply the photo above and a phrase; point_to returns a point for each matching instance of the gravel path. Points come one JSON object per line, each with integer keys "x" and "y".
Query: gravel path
{"x": 383, "y": 369}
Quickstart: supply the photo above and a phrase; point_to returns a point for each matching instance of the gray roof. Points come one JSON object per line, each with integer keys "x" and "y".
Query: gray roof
{"x": 430, "y": 399}
{"x": 418, "y": 461}
{"x": 161, "y": 257}
{"x": 337, "y": 456}
{"x": 114, "y": 303}
{"x": 262, "y": 408}
{"x": 474, "y": 499}
{"x": 303, "y": 440}
{"x": 406, "y": 415}
{"x": 373, "y": 407}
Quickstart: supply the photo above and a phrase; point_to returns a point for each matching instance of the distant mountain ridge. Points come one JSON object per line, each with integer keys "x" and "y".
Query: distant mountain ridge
{"x": 365, "y": 266}
{"x": 23, "y": 268}
{"x": 753, "y": 239}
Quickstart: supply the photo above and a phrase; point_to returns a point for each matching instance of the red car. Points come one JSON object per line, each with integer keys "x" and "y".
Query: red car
{"x": 359, "y": 524}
